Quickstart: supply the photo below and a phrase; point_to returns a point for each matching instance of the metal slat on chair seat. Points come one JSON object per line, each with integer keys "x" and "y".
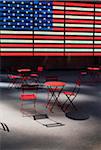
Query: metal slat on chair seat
{"x": 28, "y": 97}
{"x": 69, "y": 93}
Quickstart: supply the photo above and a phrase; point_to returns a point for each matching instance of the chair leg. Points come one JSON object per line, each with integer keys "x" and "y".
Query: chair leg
{"x": 52, "y": 106}
{"x": 55, "y": 101}
{"x": 49, "y": 99}
{"x": 72, "y": 106}
{"x": 5, "y": 127}
{"x": 12, "y": 84}
{"x": 35, "y": 106}
{"x": 21, "y": 109}
{"x": 67, "y": 106}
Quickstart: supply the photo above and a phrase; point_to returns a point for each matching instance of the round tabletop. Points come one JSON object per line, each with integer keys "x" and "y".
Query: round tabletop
{"x": 94, "y": 68}
{"x": 55, "y": 83}
{"x": 24, "y": 70}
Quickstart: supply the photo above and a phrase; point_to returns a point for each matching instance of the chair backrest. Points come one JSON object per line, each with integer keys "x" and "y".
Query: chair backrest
{"x": 76, "y": 87}
{"x": 78, "y": 83}
{"x": 39, "y": 68}
{"x": 83, "y": 73}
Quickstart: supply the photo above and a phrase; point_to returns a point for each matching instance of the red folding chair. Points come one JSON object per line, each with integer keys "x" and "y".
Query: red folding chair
{"x": 28, "y": 99}
{"x": 71, "y": 95}
{"x": 53, "y": 91}
{"x": 14, "y": 80}
{"x": 24, "y": 73}
{"x": 36, "y": 74}
{"x": 13, "y": 77}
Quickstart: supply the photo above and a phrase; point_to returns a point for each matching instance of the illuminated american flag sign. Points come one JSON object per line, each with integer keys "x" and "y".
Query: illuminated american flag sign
{"x": 50, "y": 28}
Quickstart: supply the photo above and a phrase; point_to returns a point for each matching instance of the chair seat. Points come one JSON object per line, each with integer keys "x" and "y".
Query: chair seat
{"x": 25, "y": 78}
{"x": 93, "y": 68}
{"x": 14, "y": 77}
{"x": 69, "y": 93}
{"x": 83, "y": 73}
{"x": 28, "y": 96}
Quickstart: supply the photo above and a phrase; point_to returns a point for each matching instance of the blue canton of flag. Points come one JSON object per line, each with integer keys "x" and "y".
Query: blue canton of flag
{"x": 43, "y": 15}
{"x": 26, "y": 15}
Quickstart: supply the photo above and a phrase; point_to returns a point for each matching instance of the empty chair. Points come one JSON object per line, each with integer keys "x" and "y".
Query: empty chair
{"x": 71, "y": 95}
{"x": 13, "y": 77}
{"x": 25, "y": 75}
{"x": 14, "y": 80}
{"x": 36, "y": 74}
{"x": 28, "y": 99}
{"x": 83, "y": 75}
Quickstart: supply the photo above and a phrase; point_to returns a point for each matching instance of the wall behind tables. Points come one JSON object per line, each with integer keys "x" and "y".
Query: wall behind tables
{"x": 49, "y": 62}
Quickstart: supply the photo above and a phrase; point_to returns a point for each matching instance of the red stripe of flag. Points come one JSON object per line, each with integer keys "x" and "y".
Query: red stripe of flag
{"x": 79, "y": 37}
{"x": 79, "y": 46}
{"x": 83, "y": 13}
{"x": 98, "y": 30}
{"x": 16, "y": 54}
{"x": 82, "y": 29}
{"x": 97, "y": 21}
{"x": 79, "y": 21}
{"x": 10, "y": 36}
{"x": 57, "y": 3}
{"x": 97, "y": 38}
{"x": 97, "y": 46}
{"x": 98, "y": 14}
{"x": 58, "y": 29}
{"x": 49, "y": 54}
{"x": 98, "y": 5}
{"x": 36, "y": 37}
{"x": 79, "y": 54}
{"x": 97, "y": 54}
{"x": 58, "y": 12}
{"x": 78, "y": 4}
{"x": 56, "y": 20}
{"x": 38, "y": 45}
{"x": 43, "y": 37}
{"x": 16, "y": 45}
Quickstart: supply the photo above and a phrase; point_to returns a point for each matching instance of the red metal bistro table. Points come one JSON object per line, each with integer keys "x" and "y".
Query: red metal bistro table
{"x": 55, "y": 88}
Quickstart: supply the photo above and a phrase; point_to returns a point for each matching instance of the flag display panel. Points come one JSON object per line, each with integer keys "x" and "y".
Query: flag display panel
{"x": 50, "y": 28}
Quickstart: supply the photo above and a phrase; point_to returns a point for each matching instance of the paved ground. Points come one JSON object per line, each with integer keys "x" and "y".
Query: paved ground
{"x": 28, "y": 134}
